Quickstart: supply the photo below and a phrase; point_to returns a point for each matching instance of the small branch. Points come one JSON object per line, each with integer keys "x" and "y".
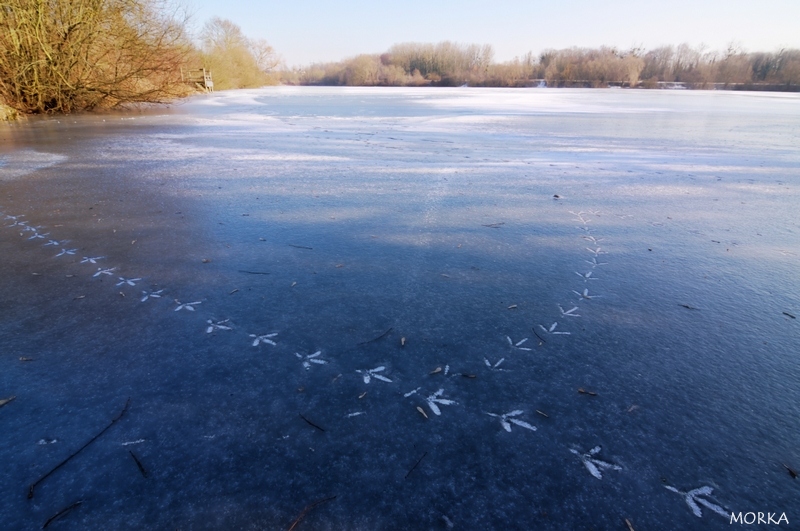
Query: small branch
{"x": 308, "y": 509}
{"x": 495, "y": 225}
{"x": 311, "y": 423}
{"x": 60, "y": 513}
{"x": 377, "y": 338}
{"x": 301, "y": 247}
{"x": 65, "y": 461}
{"x": 537, "y": 335}
{"x": 139, "y": 464}
{"x": 252, "y": 272}
{"x": 415, "y": 465}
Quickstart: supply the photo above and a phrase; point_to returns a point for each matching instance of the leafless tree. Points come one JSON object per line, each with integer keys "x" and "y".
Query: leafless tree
{"x": 69, "y": 55}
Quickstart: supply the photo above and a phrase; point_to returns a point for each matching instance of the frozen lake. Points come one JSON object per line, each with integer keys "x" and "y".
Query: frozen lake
{"x": 310, "y": 293}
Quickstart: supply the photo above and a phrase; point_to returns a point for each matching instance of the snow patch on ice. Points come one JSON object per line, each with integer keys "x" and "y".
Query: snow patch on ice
{"x": 25, "y": 162}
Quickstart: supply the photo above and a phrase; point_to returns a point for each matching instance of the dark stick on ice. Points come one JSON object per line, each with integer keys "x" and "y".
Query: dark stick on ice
{"x": 789, "y": 315}
{"x": 791, "y": 471}
{"x": 311, "y": 423}
{"x": 253, "y": 272}
{"x": 301, "y": 247}
{"x": 688, "y": 307}
{"x": 139, "y": 464}
{"x": 65, "y": 461}
{"x": 307, "y": 509}
{"x": 537, "y": 335}
{"x": 495, "y": 225}
{"x": 416, "y": 465}
{"x": 61, "y": 513}
{"x": 377, "y": 338}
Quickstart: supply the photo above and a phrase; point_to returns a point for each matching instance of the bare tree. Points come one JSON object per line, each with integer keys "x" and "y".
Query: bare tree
{"x": 223, "y": 34}
{"x": 235, "y": 60}
{"x": 266, "y": 57}
{"x": 68, "y": 55}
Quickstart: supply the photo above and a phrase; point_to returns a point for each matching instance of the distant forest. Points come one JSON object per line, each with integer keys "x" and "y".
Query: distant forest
{"x": 62, "y": 56}
{"x": 453, "y": 64}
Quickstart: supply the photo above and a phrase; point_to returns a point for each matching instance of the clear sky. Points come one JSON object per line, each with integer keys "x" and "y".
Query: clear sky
{"x": 305, "y": 31}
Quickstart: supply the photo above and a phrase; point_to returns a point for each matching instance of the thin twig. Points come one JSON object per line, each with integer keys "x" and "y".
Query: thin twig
{"x": 416, "y": 464}
{"x": 301, "y": 247}
{"x": 495, "y": 225}
{"x": 62, "y": 512}
{"x": 65, "y": 461}
{"x": 253, "y": 272}
{"x": 311, "y": 423}
{"x": 377, "y": 338}
{"x": 139, "y": 464}
{"x": 789, "y": 315}
{"x": 537, "y": 335}
{"x": 307, "y": 509}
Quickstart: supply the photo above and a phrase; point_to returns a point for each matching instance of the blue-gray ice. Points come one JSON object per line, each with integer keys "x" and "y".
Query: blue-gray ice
{"x": 437, "y": 306}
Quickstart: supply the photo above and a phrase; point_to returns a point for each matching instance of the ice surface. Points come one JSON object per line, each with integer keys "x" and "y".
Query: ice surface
{"x": 296, "y": 218}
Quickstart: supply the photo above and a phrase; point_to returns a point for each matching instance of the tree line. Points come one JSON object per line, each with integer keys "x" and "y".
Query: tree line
{"x": 452, "y": 64}
{"x": 61, "y": 56}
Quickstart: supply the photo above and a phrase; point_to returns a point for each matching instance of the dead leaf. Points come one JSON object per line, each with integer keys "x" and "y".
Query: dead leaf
{"x": 422, "y": 412}
{"x": 402, "y": 341}
{"x": 436, "y": 370}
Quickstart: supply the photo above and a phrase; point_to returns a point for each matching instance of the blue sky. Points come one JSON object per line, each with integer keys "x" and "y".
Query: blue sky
{"x": 305, "y": 31}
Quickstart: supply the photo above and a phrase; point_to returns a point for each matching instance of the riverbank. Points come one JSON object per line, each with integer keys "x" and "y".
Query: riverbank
{"x": 7, "y": 114}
